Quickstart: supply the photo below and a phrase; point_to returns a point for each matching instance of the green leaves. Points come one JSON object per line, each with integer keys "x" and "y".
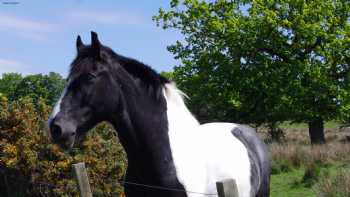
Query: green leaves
{"x": 9, "y": 82}
{"x": 48, "y": 87}
{"x": 262, "y": 61}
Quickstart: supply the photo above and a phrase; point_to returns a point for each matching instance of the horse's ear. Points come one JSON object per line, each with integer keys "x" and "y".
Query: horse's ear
{"x": 79, "y": 44}
{"x": 95, "y": 44}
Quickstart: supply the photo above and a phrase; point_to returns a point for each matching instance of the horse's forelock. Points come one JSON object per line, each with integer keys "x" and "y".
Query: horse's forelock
{"x": 81, "y": 64}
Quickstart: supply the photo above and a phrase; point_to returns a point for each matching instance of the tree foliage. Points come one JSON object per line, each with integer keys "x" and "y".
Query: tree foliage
{"x": 9, "y": 82}
{"x": 168, "y": 75}
{"x": 263, "y": 61}
{"x": 48, "y": 87}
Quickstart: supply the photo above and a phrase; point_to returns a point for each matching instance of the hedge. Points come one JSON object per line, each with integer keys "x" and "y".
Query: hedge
{"x": 30, "y": 165}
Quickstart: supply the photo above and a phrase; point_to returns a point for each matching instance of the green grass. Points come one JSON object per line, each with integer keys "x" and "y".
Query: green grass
{"x": 288, "y": 185}
{"x": 334, "y": 169}
{"x": 332, "y": 160}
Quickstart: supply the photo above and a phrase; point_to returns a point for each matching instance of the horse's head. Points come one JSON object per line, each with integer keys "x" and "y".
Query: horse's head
{"x": 86, "y": 99}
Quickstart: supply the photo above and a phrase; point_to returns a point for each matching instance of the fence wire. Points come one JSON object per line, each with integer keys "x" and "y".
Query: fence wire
{"x": 45, "y": 189}
{"x": 166, "y": 188}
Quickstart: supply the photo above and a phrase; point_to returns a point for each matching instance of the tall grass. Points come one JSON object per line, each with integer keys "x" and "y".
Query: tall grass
{"x": 296, "y": 155}
{"x": 302, "y": 169}
{"x": 334, "y": 186}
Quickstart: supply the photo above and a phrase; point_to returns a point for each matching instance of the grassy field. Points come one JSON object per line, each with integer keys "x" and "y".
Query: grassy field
{"x": 300, "y": 169}
{"x": 290, "y": 184}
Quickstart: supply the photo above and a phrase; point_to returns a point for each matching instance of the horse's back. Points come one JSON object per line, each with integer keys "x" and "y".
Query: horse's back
{"x": 225, "y": 156}
{"x": 260, "y": 159}
{"x": 248, "y": 156}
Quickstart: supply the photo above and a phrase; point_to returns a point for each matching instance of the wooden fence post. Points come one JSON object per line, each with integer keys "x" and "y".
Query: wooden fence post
{"x": 227, "y": 188}
{"x": 82, "y": 179}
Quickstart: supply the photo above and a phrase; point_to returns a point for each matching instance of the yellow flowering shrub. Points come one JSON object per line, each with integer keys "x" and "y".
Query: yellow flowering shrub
{"x": 30, "y": 165}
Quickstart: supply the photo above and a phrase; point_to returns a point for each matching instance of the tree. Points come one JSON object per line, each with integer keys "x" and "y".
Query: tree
{"x": 263, "y": 61}
{"x": 9, "y": 82}
{"x": 31, "y": 86}
{"x": 48, "y": 87}
{"x": 54, "y": 83}
{"x": 168, "y": 75}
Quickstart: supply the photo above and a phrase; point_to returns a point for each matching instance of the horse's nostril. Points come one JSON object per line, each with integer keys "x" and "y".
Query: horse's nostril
{"x": 56, "y": 131}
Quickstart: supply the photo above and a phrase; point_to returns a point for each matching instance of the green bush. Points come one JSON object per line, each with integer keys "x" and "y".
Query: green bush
{"x": 30, "y": 165}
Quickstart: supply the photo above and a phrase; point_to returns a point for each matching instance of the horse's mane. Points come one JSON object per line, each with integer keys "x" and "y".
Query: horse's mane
{"x": 145, "y": 73}
{"x": 140, "y": 70}
{"x": 149, "y": 77}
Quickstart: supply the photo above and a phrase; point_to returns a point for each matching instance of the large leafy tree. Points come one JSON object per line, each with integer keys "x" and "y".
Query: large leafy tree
{"x": 263, "y": 61}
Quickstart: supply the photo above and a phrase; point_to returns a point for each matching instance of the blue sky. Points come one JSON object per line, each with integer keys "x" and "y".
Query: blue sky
{"x": 39, "y": 36}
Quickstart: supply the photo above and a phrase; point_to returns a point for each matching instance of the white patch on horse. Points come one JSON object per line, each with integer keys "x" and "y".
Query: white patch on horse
{"x": 57, "y": 107}
{"x": 204, "y": 154}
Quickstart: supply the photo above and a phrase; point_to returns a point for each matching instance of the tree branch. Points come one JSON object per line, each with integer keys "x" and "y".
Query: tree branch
{"x": 309, "y": 49}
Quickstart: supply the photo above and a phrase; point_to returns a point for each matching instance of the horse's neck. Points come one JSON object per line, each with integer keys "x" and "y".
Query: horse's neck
{"x": 143, "y": 138}
{"x": 142, "y": 122}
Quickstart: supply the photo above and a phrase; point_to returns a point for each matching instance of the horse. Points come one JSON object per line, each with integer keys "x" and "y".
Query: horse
{"x": 169, "y": 152}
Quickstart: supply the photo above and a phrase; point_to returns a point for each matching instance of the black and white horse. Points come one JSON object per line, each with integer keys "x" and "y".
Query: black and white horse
{"x": 166, "y": 146}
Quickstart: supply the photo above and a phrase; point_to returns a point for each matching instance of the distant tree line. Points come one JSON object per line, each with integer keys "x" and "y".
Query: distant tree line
{"x": 47, "y": 87}
{"x": 263, "y": 62}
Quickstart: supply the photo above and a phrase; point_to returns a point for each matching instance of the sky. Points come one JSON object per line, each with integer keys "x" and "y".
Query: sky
{"x": 38, "y": 36}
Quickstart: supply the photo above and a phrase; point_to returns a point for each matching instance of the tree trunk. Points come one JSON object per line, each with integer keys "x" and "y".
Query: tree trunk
{"x": 316, "y": 131}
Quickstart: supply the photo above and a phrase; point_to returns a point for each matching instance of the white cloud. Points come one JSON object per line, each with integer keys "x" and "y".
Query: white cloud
{"x": 7, "y": 66}
{"x": 26, "y": 28}
{"x": 120, "y": 17}
{"x": 10, "y": 22}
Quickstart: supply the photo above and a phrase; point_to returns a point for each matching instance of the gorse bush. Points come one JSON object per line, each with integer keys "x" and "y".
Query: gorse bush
{"x": 30, "y": 165}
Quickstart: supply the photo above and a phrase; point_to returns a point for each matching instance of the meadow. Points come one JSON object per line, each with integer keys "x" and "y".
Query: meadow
{"x": 299, "y": 169}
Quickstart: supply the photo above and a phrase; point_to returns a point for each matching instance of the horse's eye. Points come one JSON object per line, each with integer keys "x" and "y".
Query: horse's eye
{"x": 91, "y": 76}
